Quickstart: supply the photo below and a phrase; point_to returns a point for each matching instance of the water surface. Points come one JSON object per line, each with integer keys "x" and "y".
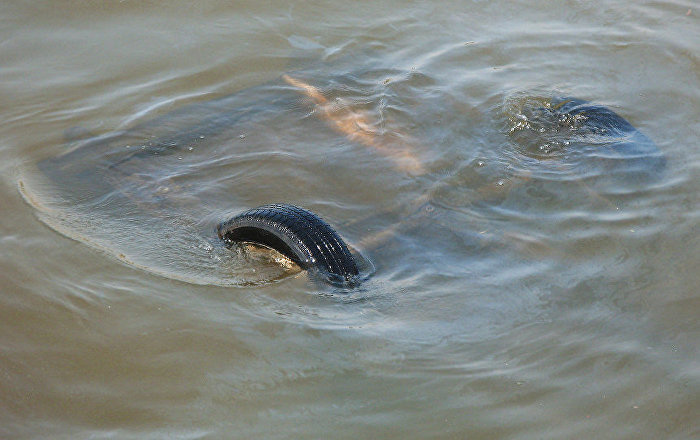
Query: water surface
{"x": 517, "y": 290}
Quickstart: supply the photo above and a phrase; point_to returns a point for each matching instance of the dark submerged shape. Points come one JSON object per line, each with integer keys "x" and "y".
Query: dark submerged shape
{"x": 613, "y": 141}
{"x": 122, "y": 172}
{"x": 298, "y": 234}
{"x": 573, "y": 138}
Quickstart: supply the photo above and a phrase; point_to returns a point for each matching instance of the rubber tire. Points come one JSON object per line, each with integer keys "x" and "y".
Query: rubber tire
{"x": 296, "y": 233}
{"x": 641, "y": 156}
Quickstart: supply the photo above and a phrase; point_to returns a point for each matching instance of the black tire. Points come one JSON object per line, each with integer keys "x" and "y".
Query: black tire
{"x": 629, "y": 151}
{"x": 296, "y": 233}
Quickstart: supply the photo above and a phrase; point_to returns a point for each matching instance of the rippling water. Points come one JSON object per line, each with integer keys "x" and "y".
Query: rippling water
{"x": 522, "y": 281}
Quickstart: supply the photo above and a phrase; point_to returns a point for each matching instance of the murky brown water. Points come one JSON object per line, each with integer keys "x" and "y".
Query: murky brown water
{"x": 517, "y": 287}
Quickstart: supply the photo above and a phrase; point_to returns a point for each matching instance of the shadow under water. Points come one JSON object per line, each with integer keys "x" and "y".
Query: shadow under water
{"x": 153, "y": 194}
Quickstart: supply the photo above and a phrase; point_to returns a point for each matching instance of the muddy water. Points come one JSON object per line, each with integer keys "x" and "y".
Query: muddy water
{"x": 519, "y": 285}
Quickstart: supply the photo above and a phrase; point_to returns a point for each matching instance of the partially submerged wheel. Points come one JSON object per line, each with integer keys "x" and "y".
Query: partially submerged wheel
{"x": 589, "y": 139}
{"x": 298, "y": 234}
